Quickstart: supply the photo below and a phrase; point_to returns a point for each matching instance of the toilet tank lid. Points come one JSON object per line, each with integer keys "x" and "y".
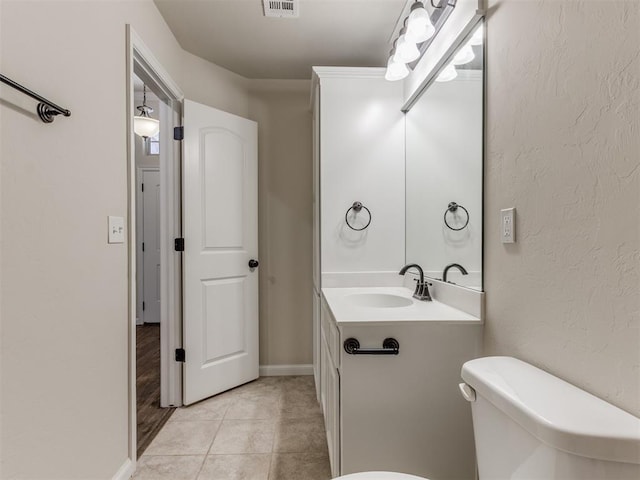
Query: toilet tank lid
{"x": 554, "y": 411}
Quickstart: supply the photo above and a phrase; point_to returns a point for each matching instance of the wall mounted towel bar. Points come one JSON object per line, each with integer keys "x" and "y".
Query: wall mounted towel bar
{"x": 390, "y": 346}
{"x": 46, "y": 109}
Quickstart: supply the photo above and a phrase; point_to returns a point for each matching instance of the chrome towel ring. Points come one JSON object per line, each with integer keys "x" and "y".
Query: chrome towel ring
{"x": 453, "y": 207}
{"x": 357, "y": 207}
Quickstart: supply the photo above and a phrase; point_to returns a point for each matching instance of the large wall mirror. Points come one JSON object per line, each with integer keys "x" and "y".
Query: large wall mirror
{"x": 444, "y": 168}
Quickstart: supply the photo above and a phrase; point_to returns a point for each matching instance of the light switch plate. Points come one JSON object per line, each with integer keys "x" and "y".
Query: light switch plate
{"x": 116, "y": 229}
{"x": 508, "y": 225}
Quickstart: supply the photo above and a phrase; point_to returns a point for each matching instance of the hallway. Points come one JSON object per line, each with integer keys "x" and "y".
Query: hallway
{"x": 269, "y": 429}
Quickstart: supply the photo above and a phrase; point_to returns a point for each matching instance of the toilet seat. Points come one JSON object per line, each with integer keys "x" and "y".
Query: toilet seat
{"x": 379, "y": 476}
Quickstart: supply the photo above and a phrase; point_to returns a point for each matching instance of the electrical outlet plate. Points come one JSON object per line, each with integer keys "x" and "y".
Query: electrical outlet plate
{"x": 508, "y": 225}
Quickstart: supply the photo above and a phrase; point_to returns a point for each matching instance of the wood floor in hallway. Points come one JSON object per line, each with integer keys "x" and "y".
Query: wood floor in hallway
{"x": 151, "y": 417}
{"x": 269, "y": 429}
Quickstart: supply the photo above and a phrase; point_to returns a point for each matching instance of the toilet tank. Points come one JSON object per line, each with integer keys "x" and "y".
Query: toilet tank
{"x": 531, "y": 425}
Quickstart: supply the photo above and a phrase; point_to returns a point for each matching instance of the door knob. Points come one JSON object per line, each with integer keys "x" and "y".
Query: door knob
{"x": 253, "y": 263}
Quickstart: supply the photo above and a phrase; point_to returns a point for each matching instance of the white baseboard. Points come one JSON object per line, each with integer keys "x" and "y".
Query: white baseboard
{"x": 125, "y": 472}
{"x": 279, "y": 370}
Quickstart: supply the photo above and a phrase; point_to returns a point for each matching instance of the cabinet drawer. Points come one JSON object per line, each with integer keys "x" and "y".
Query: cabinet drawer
{"x": 331, "y": 334}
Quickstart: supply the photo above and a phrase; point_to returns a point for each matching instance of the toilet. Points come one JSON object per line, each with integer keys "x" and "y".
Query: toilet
{"x": 530, "y": 425}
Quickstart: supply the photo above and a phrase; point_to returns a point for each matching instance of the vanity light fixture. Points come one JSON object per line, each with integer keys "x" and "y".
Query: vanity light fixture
{"x": 419, "y": 27}
{"x": 478, "y": 36}
{"x": 406, "y": 49}
{"x": 395, "y": 70}
{"x": 464, "y": 55}
{"x": 448, "y": 73}
{"x": 143, "y": 124}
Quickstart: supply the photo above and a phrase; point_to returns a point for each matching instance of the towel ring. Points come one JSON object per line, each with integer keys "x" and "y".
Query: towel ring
{"x": 453, "y": 206}
{"x": 357, "y": 207}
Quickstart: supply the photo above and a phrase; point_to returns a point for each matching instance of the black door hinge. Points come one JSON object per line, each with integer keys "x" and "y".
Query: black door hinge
{"x": 179, "y": 245}
{"x": 143, "y": 246}
{"x": 180, "y": 355}
{"x": 178, "y": 133}
{"x": 143, "y": 306}
{"x": 143, "y": 187}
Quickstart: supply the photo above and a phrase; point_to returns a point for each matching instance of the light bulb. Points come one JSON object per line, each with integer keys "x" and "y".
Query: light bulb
{"x": 145, "y": 126}
{"x": 406, "y": 50}
{"x": 447, "y": 74}
{"x": 477, "y": 38}
{"x": 464, "y": 55}
{"x": 419, "y": 26}
{"x": 395, "y": 70}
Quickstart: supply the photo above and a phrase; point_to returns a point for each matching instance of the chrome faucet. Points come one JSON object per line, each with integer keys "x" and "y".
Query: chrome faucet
{"x": 422, "y": 288}
{"x": 451, "y": 265}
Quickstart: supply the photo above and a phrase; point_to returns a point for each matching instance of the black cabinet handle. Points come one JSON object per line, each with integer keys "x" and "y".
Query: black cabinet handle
{"x": 253, "y": 263}
{"x": 390, "y": 346}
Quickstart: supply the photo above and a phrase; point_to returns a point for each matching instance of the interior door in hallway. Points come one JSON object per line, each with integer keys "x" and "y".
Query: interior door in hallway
{"x": 220, "y": 228}
{"x": 151, "y": 245}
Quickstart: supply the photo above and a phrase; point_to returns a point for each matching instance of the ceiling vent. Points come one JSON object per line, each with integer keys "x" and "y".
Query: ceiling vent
{"x": 281, "y": 8}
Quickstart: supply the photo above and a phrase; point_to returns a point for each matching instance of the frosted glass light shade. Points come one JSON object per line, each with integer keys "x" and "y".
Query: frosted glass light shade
{"x": 395, "y": 70}
{"x": 406, "y": 50}
{"x": 145, "y": 126}
{"x": 478, "y": 36}
{"x": 464, "y": 55}
{"x": 419, "y": 26}
{"x": 448, "y": 73}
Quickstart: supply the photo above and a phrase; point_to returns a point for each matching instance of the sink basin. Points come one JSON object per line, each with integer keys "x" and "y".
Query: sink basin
{"x": 378, "y": 300}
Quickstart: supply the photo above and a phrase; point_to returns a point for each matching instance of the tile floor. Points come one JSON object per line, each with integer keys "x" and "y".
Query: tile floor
{"x": 269, "y": 429}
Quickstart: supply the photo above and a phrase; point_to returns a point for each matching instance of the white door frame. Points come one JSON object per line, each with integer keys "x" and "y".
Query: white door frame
{"x": 139, "y": 228}
{"x": 142, "y": 62}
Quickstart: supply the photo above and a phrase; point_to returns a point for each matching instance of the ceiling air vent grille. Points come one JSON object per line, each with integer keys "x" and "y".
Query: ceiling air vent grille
{"x": 281, "y": 8}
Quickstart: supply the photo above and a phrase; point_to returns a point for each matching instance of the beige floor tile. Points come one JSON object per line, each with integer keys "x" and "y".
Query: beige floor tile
{"x": 299, "y": 404}
{"x": 236, "y": 467}
{"x": 212, "y": 408}
{"x": 168, "y": 467}
{"x": 300, "y": 382}
{"x": 259, "y": 389}
{"x": 300, "y": 435}
{"x": 258, "y": 407}
{"x": 184, "y": 438}
{"x": 300, "y": 466}
{"x": 244, "y": 436}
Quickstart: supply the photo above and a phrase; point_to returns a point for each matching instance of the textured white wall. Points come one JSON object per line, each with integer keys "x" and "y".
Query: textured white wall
{"x": 444, "y": 164}
{"x": 281, "y": 108}
{"x": 563, "y": 147}
{"x": 64, "y": 345}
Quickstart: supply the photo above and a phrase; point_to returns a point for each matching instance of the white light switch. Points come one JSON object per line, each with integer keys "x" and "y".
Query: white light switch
{"x": 116, "y": 229}
{"x": 508, "y": 225}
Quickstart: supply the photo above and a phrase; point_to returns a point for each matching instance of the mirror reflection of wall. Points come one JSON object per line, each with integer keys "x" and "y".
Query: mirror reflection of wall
{"x": 444, "y": 162}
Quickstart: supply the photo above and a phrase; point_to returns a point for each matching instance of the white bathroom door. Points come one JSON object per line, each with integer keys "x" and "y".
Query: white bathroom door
{"x": 220, "y": 229}
{"x": 151, "y": 245}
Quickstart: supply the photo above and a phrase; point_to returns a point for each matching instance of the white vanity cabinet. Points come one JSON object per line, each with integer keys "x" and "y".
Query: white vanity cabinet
{"x": 330, "y": 386}
{"x": 401, "y": 413}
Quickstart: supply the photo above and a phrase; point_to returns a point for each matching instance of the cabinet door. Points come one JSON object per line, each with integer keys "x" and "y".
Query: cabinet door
{"x": 324, "y": 364}
{"x": 333, "y": 418}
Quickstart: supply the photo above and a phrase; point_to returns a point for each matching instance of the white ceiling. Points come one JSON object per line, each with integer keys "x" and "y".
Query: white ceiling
{"x": 235, "y": 34}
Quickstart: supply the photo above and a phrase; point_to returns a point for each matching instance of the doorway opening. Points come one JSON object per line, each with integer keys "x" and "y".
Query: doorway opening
{"x": 155, "y": 320}
{"x": 150, "y": 415}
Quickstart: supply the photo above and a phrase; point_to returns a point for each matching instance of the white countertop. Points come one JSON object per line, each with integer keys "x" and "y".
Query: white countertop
{"x": 345, "y": 311}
